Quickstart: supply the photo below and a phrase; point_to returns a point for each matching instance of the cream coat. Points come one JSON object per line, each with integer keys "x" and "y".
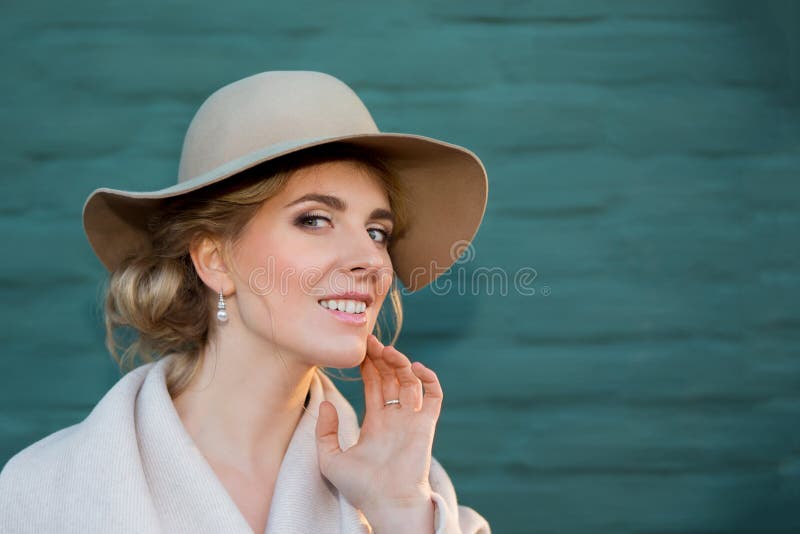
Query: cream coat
{"x": 130, "y": 466}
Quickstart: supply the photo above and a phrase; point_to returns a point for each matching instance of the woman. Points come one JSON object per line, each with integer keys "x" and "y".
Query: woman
{"x": 268, "y": 260}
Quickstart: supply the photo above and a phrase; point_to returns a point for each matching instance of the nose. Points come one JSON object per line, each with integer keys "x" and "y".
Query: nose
{"x": 364, "y": 257}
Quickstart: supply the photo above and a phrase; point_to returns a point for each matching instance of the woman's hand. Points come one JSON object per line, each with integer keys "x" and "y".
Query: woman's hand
{"x": 385, "y": 474}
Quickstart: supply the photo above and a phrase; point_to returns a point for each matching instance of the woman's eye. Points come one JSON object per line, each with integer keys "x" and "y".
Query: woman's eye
{"x": 387, "y": 236}
{"x": 305, "y": 218}
{"x": 312, "y": 220}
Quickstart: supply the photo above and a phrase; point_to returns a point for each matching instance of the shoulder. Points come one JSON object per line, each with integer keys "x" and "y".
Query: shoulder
{"x": 35, "y": 462}
{"x": 37, "y": 483}
{"x": 115, "y": 408}
{"x": 450, "y": 516}
{"x": 44, "y": 482}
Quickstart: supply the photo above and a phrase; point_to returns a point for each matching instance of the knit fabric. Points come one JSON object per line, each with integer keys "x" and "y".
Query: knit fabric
{"x": 131, "y": 466}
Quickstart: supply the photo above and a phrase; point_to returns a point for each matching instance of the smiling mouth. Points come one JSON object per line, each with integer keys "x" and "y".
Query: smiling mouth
{"x": 351, "y": 307}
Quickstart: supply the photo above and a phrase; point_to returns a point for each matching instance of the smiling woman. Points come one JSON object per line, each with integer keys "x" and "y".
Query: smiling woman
{"x": 292, "y": 223}
{"x": 242, "y": 212}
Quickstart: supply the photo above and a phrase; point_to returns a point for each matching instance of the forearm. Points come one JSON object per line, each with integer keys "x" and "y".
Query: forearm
{"x": 416, "y": 518}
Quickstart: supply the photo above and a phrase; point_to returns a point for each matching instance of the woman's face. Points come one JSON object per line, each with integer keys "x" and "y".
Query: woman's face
{"x": 324, "y": 235}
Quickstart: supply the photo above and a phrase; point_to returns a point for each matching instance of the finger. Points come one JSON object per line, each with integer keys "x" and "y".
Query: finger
{"x": 390, "y": 387}
{"x": 410, "y": 385}
{"x": 432, "y": 400}
{"x": 373, "y": 396}
{"x": 327, "y": 432}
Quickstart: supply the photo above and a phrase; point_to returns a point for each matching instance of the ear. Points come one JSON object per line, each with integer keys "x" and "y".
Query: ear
{"x": 210, "y": 265}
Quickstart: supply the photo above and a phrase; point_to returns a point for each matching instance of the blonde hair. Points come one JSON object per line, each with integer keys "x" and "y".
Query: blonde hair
{"x": 157, "y": 297}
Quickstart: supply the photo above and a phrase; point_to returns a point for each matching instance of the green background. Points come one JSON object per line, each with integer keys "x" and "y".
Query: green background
{"x": 643, "y": 158}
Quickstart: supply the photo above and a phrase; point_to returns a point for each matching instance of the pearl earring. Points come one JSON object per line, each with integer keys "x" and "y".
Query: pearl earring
{"x": 222, "y": 315}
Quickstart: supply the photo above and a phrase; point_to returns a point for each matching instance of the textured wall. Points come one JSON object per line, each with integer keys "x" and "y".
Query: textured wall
{"x": 643, "y": 159}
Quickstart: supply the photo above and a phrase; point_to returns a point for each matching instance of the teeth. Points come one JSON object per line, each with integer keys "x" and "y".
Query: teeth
{"x": 344, "y": 305}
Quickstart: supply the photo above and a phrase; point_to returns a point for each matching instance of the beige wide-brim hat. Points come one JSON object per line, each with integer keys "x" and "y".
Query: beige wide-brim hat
{"x": 274, "y": 113}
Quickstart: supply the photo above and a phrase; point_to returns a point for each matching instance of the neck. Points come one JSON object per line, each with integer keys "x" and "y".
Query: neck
{"x": 242, "y": 406}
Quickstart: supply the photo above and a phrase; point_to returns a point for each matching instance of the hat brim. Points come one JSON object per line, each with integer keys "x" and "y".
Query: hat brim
{"x": 446, "y": 184}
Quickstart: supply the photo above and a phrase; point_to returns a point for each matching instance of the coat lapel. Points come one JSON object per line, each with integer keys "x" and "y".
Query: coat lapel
{"x": 304, "y": 500}
{"x": 190, "y": 497}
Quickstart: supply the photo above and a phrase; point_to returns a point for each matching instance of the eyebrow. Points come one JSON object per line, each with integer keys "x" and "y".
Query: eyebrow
{"x": 338, "y": 204}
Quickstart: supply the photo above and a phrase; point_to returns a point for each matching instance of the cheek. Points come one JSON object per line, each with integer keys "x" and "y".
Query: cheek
{"x": 281, "y": 282}
{"x": 280, "y": 305}
{"x": 270, "y": 268}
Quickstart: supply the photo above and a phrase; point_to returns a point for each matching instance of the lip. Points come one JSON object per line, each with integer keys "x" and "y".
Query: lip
{"x": 353, "y": 319}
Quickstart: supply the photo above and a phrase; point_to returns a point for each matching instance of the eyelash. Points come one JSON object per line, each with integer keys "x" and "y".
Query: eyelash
{"x": 387, "y": 236}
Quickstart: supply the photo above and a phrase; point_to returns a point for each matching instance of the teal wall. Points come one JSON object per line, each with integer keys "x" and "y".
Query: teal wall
{"x": 644, "y": 159}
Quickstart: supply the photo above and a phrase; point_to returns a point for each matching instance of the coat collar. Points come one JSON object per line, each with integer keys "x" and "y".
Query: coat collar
{"x": 188, "y": 495}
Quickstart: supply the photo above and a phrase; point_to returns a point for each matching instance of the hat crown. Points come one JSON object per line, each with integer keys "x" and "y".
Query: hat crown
{"x": 269, "y": 110}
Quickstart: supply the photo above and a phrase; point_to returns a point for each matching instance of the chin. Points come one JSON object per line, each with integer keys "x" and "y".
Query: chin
{"x": 346, "y": 353}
